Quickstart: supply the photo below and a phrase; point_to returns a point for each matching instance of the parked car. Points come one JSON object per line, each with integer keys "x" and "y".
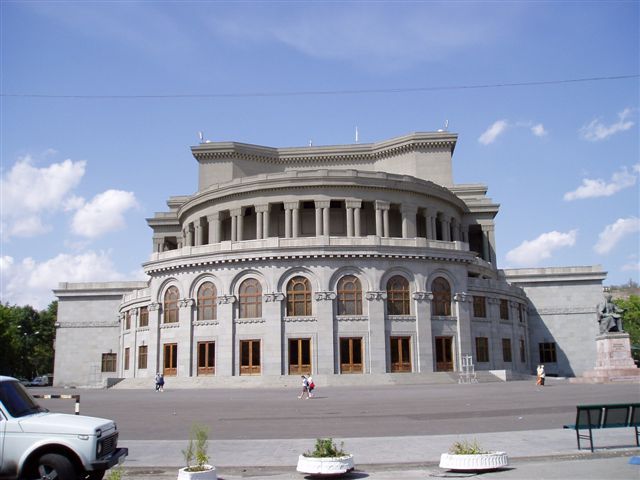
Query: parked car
{"x": 42, "y": 381}
{"x": 38, "y": 444}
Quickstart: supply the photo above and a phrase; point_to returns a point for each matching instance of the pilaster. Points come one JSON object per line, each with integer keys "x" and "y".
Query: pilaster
{"x": 377, "y": 332}
{"x": 424, "y": 335}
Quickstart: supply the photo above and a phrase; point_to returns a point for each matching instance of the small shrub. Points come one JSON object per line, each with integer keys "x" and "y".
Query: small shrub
{"x": 466, "y": 448}
{"x": 325, "y": 448}
{"x": 115, "y": 473}
{"x": 195, "y": 455}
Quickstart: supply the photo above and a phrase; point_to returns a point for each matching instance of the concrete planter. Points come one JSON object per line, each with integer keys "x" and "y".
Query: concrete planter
{"x": 329, "y": 466}
{"x": 474, "y": 463}
{"x": 209, "y": 474}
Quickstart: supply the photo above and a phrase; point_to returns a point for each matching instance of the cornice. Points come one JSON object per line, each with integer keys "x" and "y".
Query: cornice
{"x": 187, "y": 262}
{"x": 341, "y": 153}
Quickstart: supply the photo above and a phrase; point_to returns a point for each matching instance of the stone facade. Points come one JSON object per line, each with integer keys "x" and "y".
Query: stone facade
{"x": 362, "y": 259}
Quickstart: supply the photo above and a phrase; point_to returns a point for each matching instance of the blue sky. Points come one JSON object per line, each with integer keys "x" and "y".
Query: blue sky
{"x": 100, "y": 106}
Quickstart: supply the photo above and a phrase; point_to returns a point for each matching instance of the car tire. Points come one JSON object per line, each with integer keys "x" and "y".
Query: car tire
{"x": 55, "y": 467}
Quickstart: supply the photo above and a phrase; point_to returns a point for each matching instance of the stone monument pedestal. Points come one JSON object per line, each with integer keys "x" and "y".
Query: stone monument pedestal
{"x": 613, "y": 361}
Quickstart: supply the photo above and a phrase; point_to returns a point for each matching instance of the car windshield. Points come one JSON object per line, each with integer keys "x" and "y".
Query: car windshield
{"x": 17, "y": 400}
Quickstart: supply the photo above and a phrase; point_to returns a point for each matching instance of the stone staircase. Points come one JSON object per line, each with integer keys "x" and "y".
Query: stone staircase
{"x": 284, "y": 381}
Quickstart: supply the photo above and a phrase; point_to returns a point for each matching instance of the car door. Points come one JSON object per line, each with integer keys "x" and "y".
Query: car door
{"x": 3, "y": 426}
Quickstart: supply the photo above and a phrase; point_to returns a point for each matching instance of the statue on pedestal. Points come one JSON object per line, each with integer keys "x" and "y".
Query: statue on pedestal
{"x": 610, "y": 316}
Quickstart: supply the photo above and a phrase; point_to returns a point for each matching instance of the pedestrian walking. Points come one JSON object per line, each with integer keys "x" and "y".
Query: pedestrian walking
{"x": 305, "y": 388}
{"x": 540, "y": 375}
{"x": 312, "y": 386}
{"x": 157, "y": 381}
{"x": 161, "y": 382}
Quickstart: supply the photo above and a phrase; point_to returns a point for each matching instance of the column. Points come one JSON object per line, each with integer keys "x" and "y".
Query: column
{"x": 184, "y": 338}
{"x": 326, "y": 219}
{"x": 485, "y": 244}
{"x": 287, "y": 221}
{"x": 352, "y": 223}
{"x": 377, "y": 332}
{"x": 271, "y": 348}
{"x": 154, "y": 354}
{"x": 326, "y": 361}
{"x": 382, "y": 218}
{"x": 291, "y": 219}
{"x": 318, "y": 220}
{"x": 214, "y": 227}
{"x": 198, "y": 233}
{"x": 262, "y": 221}
{"x": 464, "y": 230}
{"x": 492, "y": 244}
{"x": 356, "y": 220}
{"x": 446, "y": 228}
{"x": 266, "y": 215}
{"x": 424, "y": 340}
{"x": 225, "y": 344}
{"x": 463, "y": 324}
{"x": 296, "y": 220}
{"x": 236, "y": 224}
{"x": 428, "y": 223}
{"x": 409, "y": 221}
{"x": 240, "y": 225}
{"x": 189, "y": 235}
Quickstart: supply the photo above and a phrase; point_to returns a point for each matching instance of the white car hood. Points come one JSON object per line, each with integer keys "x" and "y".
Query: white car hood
{"x": 63, "y": 423}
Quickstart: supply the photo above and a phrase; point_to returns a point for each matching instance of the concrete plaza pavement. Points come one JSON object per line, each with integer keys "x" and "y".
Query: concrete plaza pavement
{"x": 393, "y": 431}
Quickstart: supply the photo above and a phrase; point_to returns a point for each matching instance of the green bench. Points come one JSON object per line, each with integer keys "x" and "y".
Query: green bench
{"x": 593, "y": 417}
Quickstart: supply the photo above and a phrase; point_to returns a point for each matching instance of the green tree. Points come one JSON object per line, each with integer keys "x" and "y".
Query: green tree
{"x": 631, "y": 321}
{"x": 27, "y": 337}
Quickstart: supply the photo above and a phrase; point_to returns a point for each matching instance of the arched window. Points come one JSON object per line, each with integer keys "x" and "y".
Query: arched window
{"x": 207, "y": 297}
{"x": 298, "y": 297}
{"x": 398, "y": 296}
{"x": 250, "y": 299}
{"x": 441, "y": 297}
{"x": 170, "y": 307}
{"x": 349, "y": 296}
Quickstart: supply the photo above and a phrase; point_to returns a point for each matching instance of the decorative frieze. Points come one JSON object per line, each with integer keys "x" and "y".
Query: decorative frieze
{"x": 197, "y": 323}
{"x": 248, "y": 320}
{"x": 186, "y": 302}
{"x": 375, "y": 296}
{"x": 87, "y": 324}
{"x": 273, "y": 297}
{"x": 322, "y": 296}
{"x": 169, "y": 325}
{"x": 226, "y": 299}
{"x": 154, "y": 306}
{"x": 462, "y": 297}
{"x": 299, "y": 319}
{"x": 423, "y": 296}
{"x": 565, "y": 310}
{"x": 402, "y": 318}
{"x": 352, "y": 318}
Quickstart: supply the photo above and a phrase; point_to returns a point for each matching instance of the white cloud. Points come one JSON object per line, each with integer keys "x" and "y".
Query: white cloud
{"x": 495, "y": 130}
{"x": 614, "y": 233}
{"x": 31, "y": 283}
{"x": 27, "y": 192}
{"x": 633, "y": 266}
{"x": 599, "y": 188}
{"x": 596, "y": 130}
{"x": 532, "y": 252}
{"x": 103, "y": 214}
{"x": 538, "y": 130}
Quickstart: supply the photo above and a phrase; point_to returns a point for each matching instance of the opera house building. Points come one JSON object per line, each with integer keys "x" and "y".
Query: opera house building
{"x": 360, "y": 260}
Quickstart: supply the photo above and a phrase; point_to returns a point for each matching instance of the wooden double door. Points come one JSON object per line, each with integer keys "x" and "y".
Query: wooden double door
{"x": 299, "y": 356}
{"x": 444, "y": 354}
{"x": 351, "y": 355}
{"x": 250, "y": 363}
{"x": 400, "y": 350}
{"x": 170, "y": 360}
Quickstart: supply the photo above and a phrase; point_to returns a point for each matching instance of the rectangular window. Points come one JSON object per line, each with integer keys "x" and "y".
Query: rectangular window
{"x": 479, "y": 307}
{"x": 523, "y": 357}
{"x": 144, "y": 317}
{"x": 506, "y": 350}
{"x": 126, "y": 358}
{"x": 142, "y": 356}
{"x": 109, "y": 362}
{"x": 482, "y": 349}
{"x": 521, "y": 313}
{"x": 127, "y": 320}
{"x": 206, "y": 358}
{"x": 547, "y": 352}
{"x": 504, "y": 309}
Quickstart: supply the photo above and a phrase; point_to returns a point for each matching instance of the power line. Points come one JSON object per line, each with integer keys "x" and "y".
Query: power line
{"x": 329, "y": 92}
